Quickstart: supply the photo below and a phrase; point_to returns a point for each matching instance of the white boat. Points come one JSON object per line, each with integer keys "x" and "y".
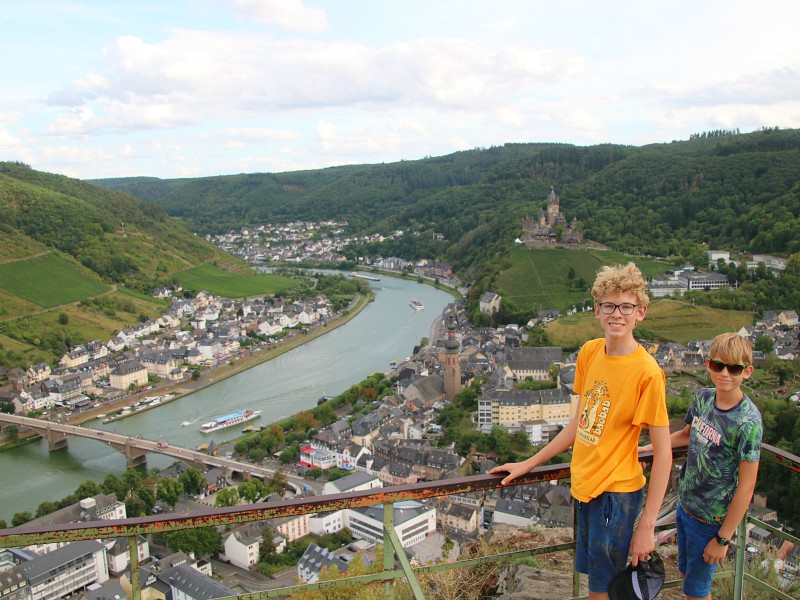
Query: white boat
{"x": 416, "y": 304}
{"x": 186, "y": 423}
{"x": 362, "y": 276}
{"x": 230, "y": 420}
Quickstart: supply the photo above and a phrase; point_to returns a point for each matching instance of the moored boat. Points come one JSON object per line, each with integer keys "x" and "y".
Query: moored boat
{"x": 230, "y": 420}
{"x": 362, "y": 276}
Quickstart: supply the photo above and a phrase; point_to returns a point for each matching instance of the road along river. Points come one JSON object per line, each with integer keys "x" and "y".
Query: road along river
{"x": 386, "y": 330}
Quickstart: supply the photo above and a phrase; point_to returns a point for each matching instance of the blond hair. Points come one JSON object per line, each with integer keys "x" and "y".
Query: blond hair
{"x": 731, "y": 348}
{"x": 613, "y": 280}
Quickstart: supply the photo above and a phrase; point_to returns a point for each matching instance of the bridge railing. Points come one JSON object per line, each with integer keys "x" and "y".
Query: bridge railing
{"x": 396, "y": 566}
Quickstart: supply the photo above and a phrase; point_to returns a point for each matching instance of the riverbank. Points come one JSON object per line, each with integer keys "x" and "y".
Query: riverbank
{"x": 208, "y": 377}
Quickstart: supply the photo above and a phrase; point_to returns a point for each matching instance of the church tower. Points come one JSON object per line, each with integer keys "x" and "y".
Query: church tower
{"x": 452, "y": 361}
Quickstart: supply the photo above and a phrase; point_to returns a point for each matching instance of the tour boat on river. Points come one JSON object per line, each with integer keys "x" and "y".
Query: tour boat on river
{"x": 416, "y": 304}
{"x": 230, "y": 420}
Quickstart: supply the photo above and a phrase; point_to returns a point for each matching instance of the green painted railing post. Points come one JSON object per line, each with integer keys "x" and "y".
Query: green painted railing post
{"x": 136, "y": 583}
{"x": 388, "y": 551}
{"x": 741, "y": 551}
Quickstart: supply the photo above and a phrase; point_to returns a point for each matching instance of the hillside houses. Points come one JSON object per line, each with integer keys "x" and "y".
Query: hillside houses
{"x": 158, "y": 349}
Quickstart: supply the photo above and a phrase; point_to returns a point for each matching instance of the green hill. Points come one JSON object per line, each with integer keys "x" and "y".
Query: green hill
{"x": 739, "y": 191}
{"x": 79, "y": 261}
{"x": 536, "y": 278}
{"x": 724, "y": 190}
{"x": 667, "y": 320}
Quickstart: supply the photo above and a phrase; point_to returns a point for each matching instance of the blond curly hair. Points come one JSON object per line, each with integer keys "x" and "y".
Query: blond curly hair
{"x": 619, "y": 279}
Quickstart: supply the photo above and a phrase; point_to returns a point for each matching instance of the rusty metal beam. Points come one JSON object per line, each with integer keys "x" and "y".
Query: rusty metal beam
{"x": 206, "y": 517}
{"x": 782, "y": 457}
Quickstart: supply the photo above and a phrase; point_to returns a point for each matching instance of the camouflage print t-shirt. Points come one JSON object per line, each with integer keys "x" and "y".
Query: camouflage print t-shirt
{"x": 719, "y": 440}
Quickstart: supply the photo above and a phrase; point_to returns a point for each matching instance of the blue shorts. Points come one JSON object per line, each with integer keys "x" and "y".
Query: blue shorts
{"x": 693, "y": 537}
{"x": 605, "y": 527}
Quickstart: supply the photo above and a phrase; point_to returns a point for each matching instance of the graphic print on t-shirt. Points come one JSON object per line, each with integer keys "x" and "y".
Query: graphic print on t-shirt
{"x": 594, "y": 414}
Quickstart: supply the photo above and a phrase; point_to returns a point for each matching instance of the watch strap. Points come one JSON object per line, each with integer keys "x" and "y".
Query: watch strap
{"x": 721, "y": 540}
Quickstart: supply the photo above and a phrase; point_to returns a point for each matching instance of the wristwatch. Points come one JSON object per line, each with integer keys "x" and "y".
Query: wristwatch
{"x": 721, "y": 540}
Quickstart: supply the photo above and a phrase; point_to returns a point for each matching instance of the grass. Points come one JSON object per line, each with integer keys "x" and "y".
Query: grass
{"x": 538, "y": 277}
{"x": 230, "y": 285}
{"x": 11, "y": 306}
{"x": 666, "y": 320}
{"x": 48, "y": 280}
{"x": 16, "y": 245}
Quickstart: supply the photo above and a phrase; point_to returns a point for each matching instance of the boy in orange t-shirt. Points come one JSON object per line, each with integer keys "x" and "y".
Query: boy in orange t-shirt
{"x": 622, "y": 390}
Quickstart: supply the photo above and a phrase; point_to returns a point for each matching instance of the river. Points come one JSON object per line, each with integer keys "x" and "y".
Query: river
{"x": 386, "y": 330}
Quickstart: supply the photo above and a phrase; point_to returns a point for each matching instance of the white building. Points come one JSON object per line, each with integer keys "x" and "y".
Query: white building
{"x": 66, "y": 570}
{"x": 243, "y": 544}
{"x": 356, "y": 482}
{"x": 327, "y": 522}
{"x": 413, "y": 522}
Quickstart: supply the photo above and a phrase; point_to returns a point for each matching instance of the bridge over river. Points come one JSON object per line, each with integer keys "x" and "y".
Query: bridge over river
{"x": 135, "y": 449}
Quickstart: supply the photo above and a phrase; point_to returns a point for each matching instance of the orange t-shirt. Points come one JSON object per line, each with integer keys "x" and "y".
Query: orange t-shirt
{"x": 619, "y": 395}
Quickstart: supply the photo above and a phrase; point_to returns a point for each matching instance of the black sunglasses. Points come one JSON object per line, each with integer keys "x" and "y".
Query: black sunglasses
{"x": 717, "y": 366}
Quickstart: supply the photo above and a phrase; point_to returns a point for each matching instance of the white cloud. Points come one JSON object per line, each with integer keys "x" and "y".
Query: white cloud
{"x": 79, "y": 120}
{"x": 291, "y": 15}
{"x": 215, "y": 86}
{"x": 258, "y": 134}
{"x": 194, "y": 76}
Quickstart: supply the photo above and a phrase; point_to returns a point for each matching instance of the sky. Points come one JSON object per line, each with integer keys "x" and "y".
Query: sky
{"x": 186, "y": 88}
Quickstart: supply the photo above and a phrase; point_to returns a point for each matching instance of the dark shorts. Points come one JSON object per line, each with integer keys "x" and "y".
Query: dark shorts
{"x": 605, "y": 527}
{"x": 693, "y": 537}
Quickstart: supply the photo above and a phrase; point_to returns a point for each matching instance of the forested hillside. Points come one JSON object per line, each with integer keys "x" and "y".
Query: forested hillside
{"x": 79, "y": 262}
{"x": 727, "y": 190}
{"x": 117, "y": 236}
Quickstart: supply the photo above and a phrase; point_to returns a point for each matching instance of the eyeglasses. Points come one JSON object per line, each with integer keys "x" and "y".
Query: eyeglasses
{"x": 716, "y": 367}
{"x": 608, "y": 308}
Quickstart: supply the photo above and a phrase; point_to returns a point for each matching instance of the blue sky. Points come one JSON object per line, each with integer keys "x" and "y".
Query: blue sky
{"x": 183, "y": 88}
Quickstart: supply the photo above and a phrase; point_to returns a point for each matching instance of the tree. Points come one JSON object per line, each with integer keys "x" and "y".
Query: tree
{"x": 147, "y": 498}
{"x": 764, "y": 344}
{"x": 87, "y": 489}
{"x": 290, "y": 454}
{"x": 305, "y": 420}
{"x": 277, "y": 482}
{"x": 134, "y": 507}
{"x": 251, "y": 490}
{"x": 132, "y": 479}
{"x": 783, "y": 370}
{"x": 192, "y": 480}
{"x": 21, "y": 518}
{"x": 114, "y": 485}
{"x": 63, "y": 318}
{"x": 200, "y": 541}
{"x": 226, "y": 497}
{"x": 45, "y": 508}
{"x": 169, "y": 490}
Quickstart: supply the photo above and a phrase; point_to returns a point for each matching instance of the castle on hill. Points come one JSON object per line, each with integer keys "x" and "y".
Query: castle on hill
{"x": 550, "y": 228}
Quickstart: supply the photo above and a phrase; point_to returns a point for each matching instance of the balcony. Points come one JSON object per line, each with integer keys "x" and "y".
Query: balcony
{"x": 397, "y": 571}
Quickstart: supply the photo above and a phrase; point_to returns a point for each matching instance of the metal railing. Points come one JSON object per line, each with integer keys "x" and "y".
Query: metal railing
{"x": 395, "y": 563}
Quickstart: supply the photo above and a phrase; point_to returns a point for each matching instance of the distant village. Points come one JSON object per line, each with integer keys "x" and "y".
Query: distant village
{"x": 396, "y": 442}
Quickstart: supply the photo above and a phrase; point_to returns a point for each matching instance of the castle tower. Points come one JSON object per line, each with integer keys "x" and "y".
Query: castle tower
{"x": 452, "y": 361}
{"x": 553, "y": 208}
